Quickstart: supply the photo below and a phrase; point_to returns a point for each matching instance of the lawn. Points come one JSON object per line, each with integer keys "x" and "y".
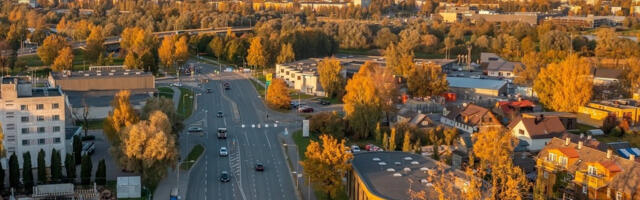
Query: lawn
{"x": 95, "y": 124}
{"x": 31, "y": 60}
{"x": 185, "y": 107}
{"x": 195, "y": 153}
{"x": 165, "y": 92}
{"x": 333, "y": 100}
{"x": 302, "y": 142}
{"x": 258, "y": 87}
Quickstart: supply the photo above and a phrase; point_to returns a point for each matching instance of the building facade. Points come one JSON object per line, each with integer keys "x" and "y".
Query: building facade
{"x": 32, "y": 119}
{"x": 103, "y": 79}
{"x": 471, "y": 119}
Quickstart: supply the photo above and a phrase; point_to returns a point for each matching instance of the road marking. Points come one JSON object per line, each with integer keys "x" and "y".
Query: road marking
{"x": 242, "y": 125}
{"x": 268, "y": 142}
{"x": 225, "y": 122}
{"x": 258, "y": 125}
{"x": 266, "y": 125}
{"x": 253, "y": 125}
{"x": 275, "y": 125}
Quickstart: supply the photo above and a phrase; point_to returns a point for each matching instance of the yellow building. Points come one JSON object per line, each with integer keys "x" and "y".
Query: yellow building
{"x": 272, "y": 5}
{"x": 595, "y": 113}
{"x": 577, "y": 171}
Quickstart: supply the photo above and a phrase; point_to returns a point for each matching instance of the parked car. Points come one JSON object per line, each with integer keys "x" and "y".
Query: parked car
{"x": 219, "y": 114}
{"x": 224, "y": 177}
{"x": 88, "y": 148}
{"x": 178, "y": 84}
{"x": 324, "y": 102}
{"x": 305, "y": 109}
{"x": 223, "y": 151}
{"x": 295, "y": 105}
{"x": 371, "y": 147}
{"x": 355, "y": 148}
{"x": 259, "y": 167}
{"x": 195, "y": 129}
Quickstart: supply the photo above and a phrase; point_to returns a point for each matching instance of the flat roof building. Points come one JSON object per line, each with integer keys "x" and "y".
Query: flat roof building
{"x": 107, "y": 78}
{"x": 475, "y": 86}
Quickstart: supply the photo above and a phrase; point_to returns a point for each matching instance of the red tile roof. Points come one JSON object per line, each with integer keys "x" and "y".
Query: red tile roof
{"x": 569, "y": 152}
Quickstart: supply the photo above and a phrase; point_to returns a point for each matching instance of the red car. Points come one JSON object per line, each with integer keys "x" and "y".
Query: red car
{"x": 305, "y": 109}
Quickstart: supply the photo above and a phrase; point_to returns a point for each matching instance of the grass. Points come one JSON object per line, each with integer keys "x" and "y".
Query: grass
{"x": 261, "y": 91}
{"x": 195, "y": 153}
{"x": 294, "y": 95}
{"x": 342, "y": 195}
{"x": 165, "y": 92}
{"x": 95, "y": 124}
{"x": 302, "y": 142}
{"x": 31, "y": 60}
{"x": 185, "y": 107}
{"x": 333, "y": 100}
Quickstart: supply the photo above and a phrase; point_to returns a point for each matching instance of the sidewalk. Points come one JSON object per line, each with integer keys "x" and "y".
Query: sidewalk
{"x": 300, "y": 183}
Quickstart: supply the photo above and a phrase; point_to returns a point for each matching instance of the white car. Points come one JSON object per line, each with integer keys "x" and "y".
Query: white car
{"x": 355, "y": 148}
{"x": 195, "y": 129}
{"x": 224, "y": 151}
{"x": 176, "y": 84}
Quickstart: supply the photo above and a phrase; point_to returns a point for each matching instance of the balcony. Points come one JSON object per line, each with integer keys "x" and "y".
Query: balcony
{"x": 593, "y": 181}
{"x": 549, "y": 166}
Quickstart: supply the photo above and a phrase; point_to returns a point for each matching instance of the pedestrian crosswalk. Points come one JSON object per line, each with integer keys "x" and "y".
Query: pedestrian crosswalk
{"x": 266, "y": 125}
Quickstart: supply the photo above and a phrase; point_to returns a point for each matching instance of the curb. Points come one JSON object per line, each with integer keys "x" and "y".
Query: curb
{"x": 188, "y": 177}
{"x": 286, "y": 157}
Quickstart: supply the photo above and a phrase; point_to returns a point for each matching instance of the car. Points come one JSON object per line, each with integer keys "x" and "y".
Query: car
{"x": 88, "y": 148}
{"x": 305, "y": 109}
{"x": 178, "y": 84}
{"x": 219, "y": 114}
{"x": 355, "y": 148}
{"x": 222, "y": 133}
{"x": 209, "y": 90}
{"x": 227, "y": 86}
{"x": 223, "y": 151}
{"x": 296, "y": 105}
{"x": 324, "y": 102}
{"x": 259, "y": 167}
{"x": 195, "y": 129}
{"x": 224, "y": 177}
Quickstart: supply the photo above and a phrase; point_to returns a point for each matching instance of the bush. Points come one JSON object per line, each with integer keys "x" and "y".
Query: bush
{"x": 328, "y": 123}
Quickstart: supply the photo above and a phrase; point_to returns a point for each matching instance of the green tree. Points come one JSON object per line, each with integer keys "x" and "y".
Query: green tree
{"x": 330, "y": 78}
{"x": 85, "y": 170}
{"x": 95, "y": 44}
{"x": 70, "y": 167}
{"x": 406, "y": 143}
{"x": 217, "y": 46}
{"x": 14, "y": 171}
{"x": 328, "y": 123}
{"x": 42, "y": 168}
{"x": 427, "y": 80}
{"x": 101, "y": 173}
{"x": 1, "y": 178}
{"x": 564, "y": 86}
{"x": 50, "y": 48}
{"x": 327, "y": 162}
{"x": 27, "y": 174}
{"x": 286, "y": 54}
{"x": 77, "y": 149}
{"x": 256, "y": 55}
{"x": 56, "y": 166}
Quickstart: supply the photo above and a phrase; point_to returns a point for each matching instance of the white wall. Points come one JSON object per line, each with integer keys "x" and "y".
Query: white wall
{"x": 534, "y": 144}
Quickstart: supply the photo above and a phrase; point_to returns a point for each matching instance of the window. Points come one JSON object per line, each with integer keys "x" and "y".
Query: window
{"x": 24, "y": 107}
{"x": 563, "y": 161}
{"x": 11, "y": 127}
{"x": 521, "y": 132}
{"x": 24, "y": 119}
{"x": 585, "y": 189}
{"x": 56, "y": 140}
{"x": 40, "y": 129}
{"x": 592, "y": 170}
{"x": 25, "y": 142}
{"x": 40, "y": 118}
{"x": 545, "y": 174}
{"x": 41, "y": 141}
{"x": 298, "y": 77}
{"x": 56, "y": 129}
{"x": 39, "y": 106}
{"x": 55, "y": 106}
{"x": 25, "y": 130}
{"x": 552, "y": 157}
{"x": 618, "y": 195}
{"x": 55, "y": 117}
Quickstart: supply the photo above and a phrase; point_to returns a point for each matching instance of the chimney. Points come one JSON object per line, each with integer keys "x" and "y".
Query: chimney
{"x": 567, "y": 140}
{"x": 588, "y": 137}
{"x": 632, "y": 157}
{"x": 580, "y": 144}
{"x": 609, "y": 153}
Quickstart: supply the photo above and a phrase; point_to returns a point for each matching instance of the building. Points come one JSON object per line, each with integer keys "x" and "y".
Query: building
{"x": 389, "y": 175}
{"x": 595, "y": 113}
{"x": 535, "y": 133}
{"x": 102, "y": 78}
{"x": 586, "y": 173}
{"x": 32, "y": 3}
{"x": 316, "y": 5}
{"x": 605, "y": 76}
{"x": 468, "y": 88}
{"x": 513, "y": 109}
{"x": 588, "y": 22}
{"x": 32, "y": 118}
{"x": 497, "y": 67}
{"x": 569, "y": 120}
{"x": 470, "y": 119}
{"x": 527, "y": 17}
{"x": 456, "y": 13}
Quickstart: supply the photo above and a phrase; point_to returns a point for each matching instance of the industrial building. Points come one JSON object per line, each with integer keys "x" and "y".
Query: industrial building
{"x": 102, "y": 78}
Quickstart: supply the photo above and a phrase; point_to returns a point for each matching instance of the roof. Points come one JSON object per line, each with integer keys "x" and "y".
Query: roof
{"x": 569, "y": 152}
{"x": 502, "y": 66}
{"x": 98, "y": 74}
{"x": 606, "y": 73}
{"x": 461, "y": 82}
{"x": 486, "y": 57}
{"x": 627, "y": 179}
{"x": 509, "y": 106}
{"x": 542, "y": 127}
{"x": 557, "y": 114}
{"x": 382, "y": 182}
{"x": 474, "y": 113}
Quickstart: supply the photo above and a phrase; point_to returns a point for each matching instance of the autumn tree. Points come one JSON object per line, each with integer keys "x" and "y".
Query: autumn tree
{"x": 392, "y": 140}
{"x": 385, "y": 141}
{"x": 278, "y": 94}
{"x": 532, "y": 62}
{"x": 327, "y": 162}
{"x": 328, "y": 123}
{"x": 173, "y": 50}
{"x": 166, "y": 106}
{"x": 50, "y": 48}
{"x": 384, "y": 37}
{"x": 427, "y": 80}
{"x": 329, "y": 74}
{"x": 564, "y": 86}
{"x": 139, "y": 46}
{"x": 64, "y": 61}
{"x": 123, "y": 115}
{"x": 631, "y": 77}
{"x": 216, "y": 45}
{"x": 256, "y": 55}
{"x": 398, "y": 60}
{"x": 406, "y": 142}
{"x": 286, "y": 54}
{"x": 95, "y": 44}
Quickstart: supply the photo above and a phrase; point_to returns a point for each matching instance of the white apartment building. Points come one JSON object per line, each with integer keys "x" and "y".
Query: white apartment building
{"x": 32, "y": 119}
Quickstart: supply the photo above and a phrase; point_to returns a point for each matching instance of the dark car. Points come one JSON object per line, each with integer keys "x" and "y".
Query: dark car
{"x": 208, "y": 90}
{"x": 324, "y": 102}
{"x": 259, "y": 167}
{"x": 224, "y": 177}
{"x": 227, "y": 86}
{"x": 219, "y": 114}
{"x": 305, "y": 109}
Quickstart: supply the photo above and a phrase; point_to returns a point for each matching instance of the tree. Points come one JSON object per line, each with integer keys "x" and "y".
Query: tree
{"x": 182, "y": 50}
{"x": 631, "y": 79}
{"x": 564, "y": 86}
{"x": 526, "y": 73}
{"x": 430, "y": 42}
{"x": 166, "y": 106}
{"x": 70, "y": 167}
{"x": 384, "y": 37}
{"x": 85, "y": 117}
{"x": 449, "y": 43}
{"x": 286, "y": 54}
{"x": 85, "y": 170}
{"x": 256, "y": 55}
{"x": 140, "y": 47}
{"x": 77, "y": 149}
{"x": 95, "y": 44}
{"x": 217, "y": 46}
{"x": 327, "y": 162}
{"x": 17, "y": 34}
{"x": 101, "y": 173}
{"x": 50, "y": 48}
{"x": 14, "y": 171}
{"x": 122, "y": 115}
{"x": 398, "y": 60}
{"x": 392, "y": 140}
{"x": 330, "y": 78}
{"x": 555, "y": 40}
{"x": 42, "y": 168}
{"x": 427, "y": 80}
{"x": 406, "y": 143}
{"x": 1, "y": 178}
{"x": 64, "y": 61}
{"x": 278, "y": 95}
{"x": 378, "y": 133}
{"x": 173, "y": 50}
{"x": 56, "y": 166}
{"x": 27, "y": 174}
{"x": 385, "y": 141}
{"x": 328, "y": 123}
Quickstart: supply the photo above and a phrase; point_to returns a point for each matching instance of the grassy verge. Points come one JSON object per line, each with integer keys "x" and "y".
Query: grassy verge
{"x": 185, "y": 107}
{"x": 333, "y": 100}
{"x": 294, "y": 95}
{"x": 302, "y": 142}
{"x": 195, "y": 153}
{"x": 261, "y": 91}
{"x": 165, "y": 92}
{"x": 342, "y": 195}
{"x": 31, "y": 60}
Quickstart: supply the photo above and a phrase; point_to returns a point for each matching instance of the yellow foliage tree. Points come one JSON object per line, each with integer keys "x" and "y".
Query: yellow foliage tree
{"x": 327, "y": 162}
{"x": 95, "y": 44}
{"x": 564, "y": 86}
{"x": 50, "y": 48}
{"x": 286, "y": 54}
{"x": 64, "y": 61}
{"x": 256, "y": 55}
{"x": 123, "y": 115}
{"x": 330, "y": 79}
{"x": 426, "y": 80}
{"x": 166, "y": 51}
{"x": 278, "y": 95}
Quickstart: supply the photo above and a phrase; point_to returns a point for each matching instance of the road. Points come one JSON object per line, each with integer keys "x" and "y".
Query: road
{"x": 252, "y": 138}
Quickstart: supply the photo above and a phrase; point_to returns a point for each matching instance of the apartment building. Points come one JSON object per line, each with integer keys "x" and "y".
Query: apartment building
{"x": 32, "y": 118}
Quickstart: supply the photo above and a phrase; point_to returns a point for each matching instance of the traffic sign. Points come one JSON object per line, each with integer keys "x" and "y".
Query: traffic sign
{"x": 268, "y": 77}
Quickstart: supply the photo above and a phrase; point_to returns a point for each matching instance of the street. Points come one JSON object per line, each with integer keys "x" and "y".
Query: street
{"x": 252, "y": 138}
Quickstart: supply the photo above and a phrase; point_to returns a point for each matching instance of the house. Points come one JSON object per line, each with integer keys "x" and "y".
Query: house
{"x": 595, "y": 113}
{"x": 471, "y": 88}
{"x": 511, "y": 109}
{"x": 576, "y": 171}
{"x": 534, "y": 133}
{"x": 605, "y": 76}
{"x": 569, "y": 120}
{"x": 470, "y": 119}
{"x": 497, "y": 67}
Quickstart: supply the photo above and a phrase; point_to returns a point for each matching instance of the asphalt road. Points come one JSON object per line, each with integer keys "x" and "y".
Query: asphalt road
{"x": 251, "y": 138}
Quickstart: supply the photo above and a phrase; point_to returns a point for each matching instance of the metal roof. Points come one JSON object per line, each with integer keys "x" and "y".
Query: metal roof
{"x": 461, "y": 82}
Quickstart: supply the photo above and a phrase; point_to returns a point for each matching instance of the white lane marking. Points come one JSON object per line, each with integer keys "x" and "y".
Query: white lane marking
{"x": 242, "y": 125}
{"x": 253, "y": 125}
{"x": 266, "y": 125}
{"x": 275, "y": 125}
{"x": 225, "y": 122}
{"x": 268, "y": 142}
